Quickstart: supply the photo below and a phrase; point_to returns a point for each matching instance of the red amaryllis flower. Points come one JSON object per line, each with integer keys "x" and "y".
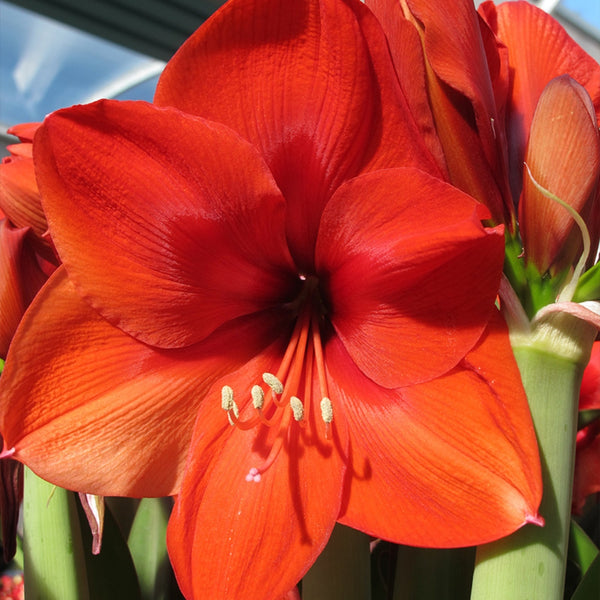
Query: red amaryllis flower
{"x": 26, "y": 258}
{"x": 589, "y": 397}
{"x": 551, "y": 118}
{"x": 484, "y": 75}
{"x": 272, "y": 307}
{"x": 26, "y": 261}
{"x": 480, "y": 79}
{"x": 587, "y": 465}
{"x": 536, "y": 49}
{"x": 587, "y": 459}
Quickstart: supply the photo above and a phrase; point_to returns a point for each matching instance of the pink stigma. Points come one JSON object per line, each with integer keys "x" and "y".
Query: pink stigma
{"x": 253, "y": 475}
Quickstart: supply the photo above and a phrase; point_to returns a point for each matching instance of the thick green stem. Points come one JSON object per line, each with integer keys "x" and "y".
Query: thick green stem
{"x": 343, "y": 570}
{"x": 531, "y": 563}
{"x": 54, "y": 563}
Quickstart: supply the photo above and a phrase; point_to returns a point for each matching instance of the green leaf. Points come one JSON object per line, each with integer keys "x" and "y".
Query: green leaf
{"x": 588, "y": 286}
{"x": 147, "y": 543}
{"x": 111, "y": 573}
{"x": 52, "y": 544}
{"x": 582, "y": 551}
{"x": 589, "y": 588}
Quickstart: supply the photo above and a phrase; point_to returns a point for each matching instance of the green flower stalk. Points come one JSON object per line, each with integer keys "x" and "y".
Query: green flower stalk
{"x": 52, "y": 545}
{"x": 531, "y": 563}
{"x": 553, "y": 350}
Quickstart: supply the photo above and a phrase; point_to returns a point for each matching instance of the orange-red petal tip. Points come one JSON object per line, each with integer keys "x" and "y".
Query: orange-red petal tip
{"x": 535, "y": 520}
{"x": 7, "y": 453}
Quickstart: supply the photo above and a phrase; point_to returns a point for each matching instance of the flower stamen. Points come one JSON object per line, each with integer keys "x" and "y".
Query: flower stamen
{"x": 326, "y": 406}
{"x": 327, "y": 415}
{"x": 227, "y": 402}
{"x": 233, "y": 412}
{"x": 258, "y": 397}
{"x": 301, "y": 370}
{"x": 297, "y": 408}
{"x": 274, "y": 383}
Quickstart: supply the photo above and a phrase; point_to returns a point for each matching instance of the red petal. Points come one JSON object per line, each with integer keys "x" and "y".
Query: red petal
{"x": 563, "y": 154}
{"x": 587, "y": 465}
{"x": 19, "y": 195}
{"x": 89, "y": 408}
{"x": 308, "y": 92}
{"x": 24, "y": 131}
{"x": 20, "y": 279}
{"x": 20, "y": 150}
{"x": 452, "y": 462}
{"x": 589, "y": 397}
{"x": 460, "y": 63}
{"x": 411, "y": 274}
{"x": 539, "y": 49}
{"x": 229, "y": 538}
{"x": 455, "y": 48}
{"x": 409, "y": 61}
{"x": 169, "y": 225}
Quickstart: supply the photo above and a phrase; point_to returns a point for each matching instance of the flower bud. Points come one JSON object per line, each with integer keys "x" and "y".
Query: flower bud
{"x": 563, "y": 156}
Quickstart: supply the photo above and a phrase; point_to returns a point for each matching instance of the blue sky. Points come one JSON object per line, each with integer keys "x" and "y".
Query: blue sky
{"x": 588, "y": 9}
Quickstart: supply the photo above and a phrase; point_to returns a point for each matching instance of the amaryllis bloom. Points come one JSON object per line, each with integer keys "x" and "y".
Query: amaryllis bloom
{"x": 26, "y": 257}
{"x": 272, "y": 306}
{"x": 484, "y": 74}
{"x": 536, "y": 49}
{"x": 26, "y": 261}
{"x": 482, "y": 78}
{"x": 587, "y": 465}
{"x": 587, "y": 459}
{"x": 589, "y": 397}
{"x": 551, "y": 121}
{"x": 552, "y": 125}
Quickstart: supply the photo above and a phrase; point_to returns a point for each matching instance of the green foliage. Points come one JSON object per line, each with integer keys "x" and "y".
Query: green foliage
{"x": 147, "y": 543}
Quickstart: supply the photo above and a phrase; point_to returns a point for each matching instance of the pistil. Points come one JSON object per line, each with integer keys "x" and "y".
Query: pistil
{"x": 285, "y": 387}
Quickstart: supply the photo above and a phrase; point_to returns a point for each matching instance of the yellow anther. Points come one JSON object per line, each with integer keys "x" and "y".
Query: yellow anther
{"x": 326, "y": 410}
{"x": 227, "y": 402}
{"x": 273, "y": 383}
{"x": 297, "y": 408}
{"x": 258, "y": 397}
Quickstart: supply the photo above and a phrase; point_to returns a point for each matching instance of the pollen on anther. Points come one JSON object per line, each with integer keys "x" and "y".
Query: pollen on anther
{"x": 226, "y": 398}
{"x": 273, "y": 383}
{"x": 297, "y": 408}
{"x": 326, "y": 410}
{"x": 258, "y": 397}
